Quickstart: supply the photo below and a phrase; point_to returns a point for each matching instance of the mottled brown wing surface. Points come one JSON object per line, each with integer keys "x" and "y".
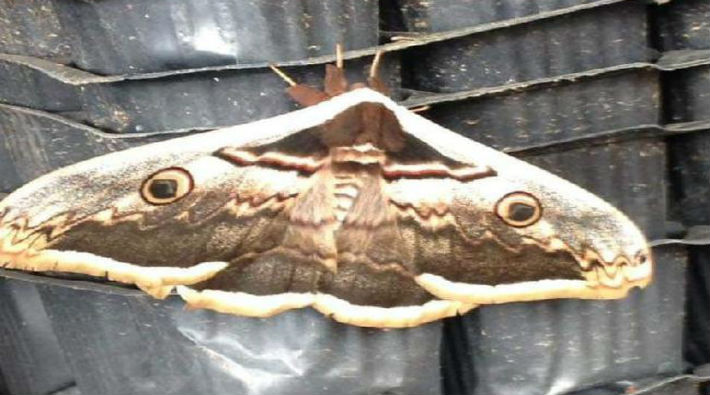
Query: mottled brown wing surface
{"x": 453, "y": 233}
{"x": 355, "y": 206}
{"x": 118, "y": 234}
{"x": 339, "y": 248}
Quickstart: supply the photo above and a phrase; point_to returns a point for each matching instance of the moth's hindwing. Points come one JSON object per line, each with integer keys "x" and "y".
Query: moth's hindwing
{"x": 355, "y": 207}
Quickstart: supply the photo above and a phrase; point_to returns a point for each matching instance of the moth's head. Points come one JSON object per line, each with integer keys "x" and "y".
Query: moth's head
{"x": 334, "y": 83}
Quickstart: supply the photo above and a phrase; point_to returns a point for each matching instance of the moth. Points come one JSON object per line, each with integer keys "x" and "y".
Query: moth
{"x": 353, "y": 205}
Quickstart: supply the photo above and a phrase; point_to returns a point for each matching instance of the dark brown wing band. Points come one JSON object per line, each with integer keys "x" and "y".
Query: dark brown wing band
{"x": 425, "y": 170}
{"x": 271, "y": 159}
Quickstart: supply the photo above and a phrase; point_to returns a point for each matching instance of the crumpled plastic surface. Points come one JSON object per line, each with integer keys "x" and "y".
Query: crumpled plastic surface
{"x": 118, "y": 341}
{"x": 105, "y": 339}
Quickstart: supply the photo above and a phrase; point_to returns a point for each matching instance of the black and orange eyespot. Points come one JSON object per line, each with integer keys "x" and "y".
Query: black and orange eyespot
{"x": 167, "y": 186}
{"x": 519, "y": 209}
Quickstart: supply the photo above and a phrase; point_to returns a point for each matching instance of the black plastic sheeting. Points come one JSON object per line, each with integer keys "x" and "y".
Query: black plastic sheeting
{"x": 33, "y": 143}
{"x": 557, "y": 346}
{"x": 547, "y": 47}
{"x": 33, "y": 362}
{"x": 93, "y": 355}
{"x": 119, "y": 341}
{"x": 197, "y": 100}
{"x": 113, "y": 342}
{"x": 687, "y": 99}
{"x": 697, "y": 338}
{"x": 573, "y": 110}
{"x": 684, "y": 25}
{"x": 552, "y": 113}
{"x": 547, "y": 72}
{"x": 117, "y": 37}
{"x": 691, "y": 189}
{"x": 443, "y": 15}
{"x": 599, "y": 169}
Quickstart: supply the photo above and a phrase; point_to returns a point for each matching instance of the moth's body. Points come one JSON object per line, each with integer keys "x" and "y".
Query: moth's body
{"x": 347, "y": 186}
{"x": 354, "y": 206}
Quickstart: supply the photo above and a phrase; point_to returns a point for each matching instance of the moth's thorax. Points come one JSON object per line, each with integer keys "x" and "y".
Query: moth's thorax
{"x": 346, "y": 188}
{"x": 364, "y": 154}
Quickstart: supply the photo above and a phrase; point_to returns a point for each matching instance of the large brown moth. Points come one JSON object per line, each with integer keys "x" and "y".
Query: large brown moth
{"x": 354, "y": 206}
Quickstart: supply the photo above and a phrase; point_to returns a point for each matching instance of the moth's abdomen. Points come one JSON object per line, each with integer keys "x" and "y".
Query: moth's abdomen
{"x": 346, "y": 189}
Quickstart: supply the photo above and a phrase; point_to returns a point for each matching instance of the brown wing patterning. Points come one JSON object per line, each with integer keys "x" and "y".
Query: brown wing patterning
{"x": 340, "y": 236}
{"x": 355, "y": 206}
